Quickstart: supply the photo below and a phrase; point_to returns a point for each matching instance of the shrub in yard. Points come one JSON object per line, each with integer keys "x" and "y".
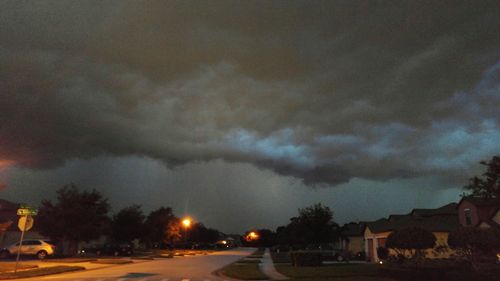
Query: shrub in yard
{"x": 306, "y": 258}
{"x": 382, "y": 253}
{"x": 473, "y": 243}
{"x": 412, "y": 240}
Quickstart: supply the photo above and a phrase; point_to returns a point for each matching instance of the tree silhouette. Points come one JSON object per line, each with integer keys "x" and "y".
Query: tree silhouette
{"x": 472, "y": 242}
{"x": 75, "y": 216}
{"x": 162, "y": 226}
{"x": 487, "y": 186}
{"x": 128, "y": 224}
{"x": 314, "y": 225}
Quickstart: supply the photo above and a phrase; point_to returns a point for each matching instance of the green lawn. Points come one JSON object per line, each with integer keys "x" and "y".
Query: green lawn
{"x": 39, "y": 272}
{"x": 249, "y": 261}
{"x": 112, "y": 261}
{"x": 9, "y": 266}
{"x": 246, "y": 268}
{"x": 247, "y": 271}
{"x": 69, "y": 260}
{"x": 336, "y": 272}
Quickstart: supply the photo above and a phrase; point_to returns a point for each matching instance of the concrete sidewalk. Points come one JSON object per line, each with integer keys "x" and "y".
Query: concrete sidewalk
{"x": 267, "y": 267}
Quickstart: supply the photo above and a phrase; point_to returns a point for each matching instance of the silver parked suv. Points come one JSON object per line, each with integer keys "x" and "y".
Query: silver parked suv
{"x": 40, "y": 248}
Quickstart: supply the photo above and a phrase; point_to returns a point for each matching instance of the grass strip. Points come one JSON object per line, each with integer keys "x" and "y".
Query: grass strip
{"x": 350, "y": 272}
{"x": 249, "y": 271}
{"x": 40, "y": 271}
{"x": 69, "y": 260}
{"x": 167, "y": 256}
{"x": 112, "y": 261}
{"x": 248, "y": 261}
{"x": 150, "y": 258}
{"x": 9, "y": 266}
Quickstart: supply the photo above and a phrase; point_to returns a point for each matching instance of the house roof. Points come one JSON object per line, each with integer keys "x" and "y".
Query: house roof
{"x": 8, "y": 212}
{"x": 353, "y": 229}
{"x": 397, "y": 217}
{"x": 448, "y": 209}
{"x": 8, "y": 206}
{"x": 433, "y": 224}
{"x": 443, "y": 219}
{"x": 480, "y": 202}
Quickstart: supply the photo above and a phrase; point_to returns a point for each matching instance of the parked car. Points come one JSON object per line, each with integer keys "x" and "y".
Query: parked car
{"x": 108, "y": 250}
{"x": 37, "y": 247}
{"x": 328, "y": 253}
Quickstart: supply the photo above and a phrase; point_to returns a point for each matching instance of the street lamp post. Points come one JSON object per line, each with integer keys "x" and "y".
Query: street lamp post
{"x": 186, "y": 222}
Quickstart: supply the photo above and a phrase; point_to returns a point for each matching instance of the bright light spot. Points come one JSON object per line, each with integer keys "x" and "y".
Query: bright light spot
{"x": 224, "y": 242}
{"x": 252, "y": 236}
{"x": 381, "y": 262}
{"x": 186, "y": 222}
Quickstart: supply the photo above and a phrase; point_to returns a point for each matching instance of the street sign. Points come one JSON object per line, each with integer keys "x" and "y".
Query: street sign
{"x": 25, "y": 223}
{"x": 27, "y": 212}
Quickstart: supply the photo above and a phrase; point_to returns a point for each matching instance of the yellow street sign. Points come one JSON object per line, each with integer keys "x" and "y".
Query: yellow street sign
{"x": 25, "y": 223}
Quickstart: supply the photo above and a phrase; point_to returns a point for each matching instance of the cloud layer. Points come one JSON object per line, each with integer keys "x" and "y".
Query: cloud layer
{"x": 325, "y": 92}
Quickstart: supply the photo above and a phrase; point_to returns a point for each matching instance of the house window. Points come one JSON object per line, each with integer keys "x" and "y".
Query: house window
{"x": 468, "y": 217}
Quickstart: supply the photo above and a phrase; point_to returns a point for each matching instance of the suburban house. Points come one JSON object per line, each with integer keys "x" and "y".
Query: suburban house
{"x": 352, "y": 237}
{"x": 10, "y": 233}
{"x": 440, "y": 221}
{"x": 481, "y": 212}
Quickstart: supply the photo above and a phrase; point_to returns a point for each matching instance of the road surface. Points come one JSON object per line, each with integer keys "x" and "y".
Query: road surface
{"x": 187, "y": 268}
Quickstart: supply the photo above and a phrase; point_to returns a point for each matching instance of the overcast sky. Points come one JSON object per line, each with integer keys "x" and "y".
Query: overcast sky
{"x": 240, "y": 112}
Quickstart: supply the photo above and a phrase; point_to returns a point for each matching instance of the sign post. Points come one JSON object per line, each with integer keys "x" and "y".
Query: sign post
{"x": 25, "y": 224}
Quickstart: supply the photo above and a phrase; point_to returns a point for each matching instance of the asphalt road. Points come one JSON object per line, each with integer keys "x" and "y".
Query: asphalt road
{"x": 187, "y": 268}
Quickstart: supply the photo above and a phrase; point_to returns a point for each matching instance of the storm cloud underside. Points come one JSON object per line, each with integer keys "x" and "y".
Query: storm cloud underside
{"x": 323, "y": 92}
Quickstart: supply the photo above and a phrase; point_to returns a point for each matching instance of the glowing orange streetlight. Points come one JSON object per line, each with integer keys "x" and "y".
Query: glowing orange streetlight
{"x": 252, "y": 236}
{"x": 186, "y": 222}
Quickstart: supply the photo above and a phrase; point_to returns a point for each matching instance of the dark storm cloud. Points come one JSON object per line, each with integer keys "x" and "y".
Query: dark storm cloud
{"x": 323, "y": 91}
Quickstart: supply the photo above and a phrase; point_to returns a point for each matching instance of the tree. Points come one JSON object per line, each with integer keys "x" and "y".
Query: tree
{"x": 162, "y": 226}
{"x": 412, "y": 240}
{"x": 487, "y": 186}
{"x": 128, "y": 224}
{"x": 75, "y": 216}
{"x": 470, "y": 243}
{"x": 267, "y": 238}
{"x": 282, "y": 235}
{"x": 172, "y": 233}
{"x": 314, "y": 225}
{"x": 198, "y": 233}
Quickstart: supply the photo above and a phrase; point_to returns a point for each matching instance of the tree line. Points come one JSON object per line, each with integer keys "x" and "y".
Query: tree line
{"x": 79, "y": 215}
{"x": 315, "y": 225}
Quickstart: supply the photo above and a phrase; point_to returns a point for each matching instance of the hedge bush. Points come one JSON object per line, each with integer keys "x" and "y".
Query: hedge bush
{"x": 306, "y": 258}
